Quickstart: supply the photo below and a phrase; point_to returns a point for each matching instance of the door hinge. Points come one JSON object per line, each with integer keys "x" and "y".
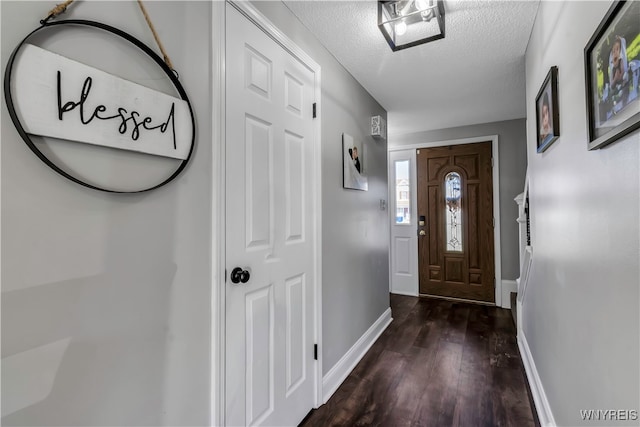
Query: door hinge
{"x": 492, "y": 162}
{"x": 314, "y": 110}
{"x": 225, "y": 275}
{"x": 493, "y": 222}
{"x": 315, "y": 352}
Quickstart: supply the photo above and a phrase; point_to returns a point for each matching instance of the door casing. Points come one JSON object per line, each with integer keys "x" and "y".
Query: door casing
{"x": 496, "y": 200}
{"x": 218, "y": 208}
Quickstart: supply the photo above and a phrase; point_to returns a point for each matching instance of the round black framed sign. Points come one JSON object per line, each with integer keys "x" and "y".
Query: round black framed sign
{"x": 49, "y": 95}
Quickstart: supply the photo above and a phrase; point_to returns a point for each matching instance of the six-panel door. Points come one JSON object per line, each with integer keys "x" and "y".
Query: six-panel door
{"x": 269, "y": 229}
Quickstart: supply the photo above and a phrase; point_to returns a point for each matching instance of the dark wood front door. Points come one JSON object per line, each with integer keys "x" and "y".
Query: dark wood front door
{"x": 455, "y": 228}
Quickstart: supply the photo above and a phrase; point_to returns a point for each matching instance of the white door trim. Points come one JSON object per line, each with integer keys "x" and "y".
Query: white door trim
{"x": 218, "y": 327}
{"x": 218, "y": 215}
{"x": 496, "y": 195}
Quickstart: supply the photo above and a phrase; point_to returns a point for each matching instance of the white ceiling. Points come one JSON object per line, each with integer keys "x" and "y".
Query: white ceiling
{"x": 476, "y": 74}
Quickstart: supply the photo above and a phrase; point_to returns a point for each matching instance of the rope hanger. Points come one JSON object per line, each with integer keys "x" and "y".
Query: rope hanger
{"x": 62, "y": 7}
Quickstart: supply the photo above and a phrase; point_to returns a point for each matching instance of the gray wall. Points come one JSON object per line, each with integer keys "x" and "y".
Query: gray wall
{"x": 580, "y": 315}
{"x": 355, "y": 232}
{"x": 108, "y": 295}
{"x": 513, "y": 167}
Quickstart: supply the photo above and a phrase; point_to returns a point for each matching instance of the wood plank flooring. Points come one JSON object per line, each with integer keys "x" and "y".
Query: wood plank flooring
{"x": 439, "y": 363}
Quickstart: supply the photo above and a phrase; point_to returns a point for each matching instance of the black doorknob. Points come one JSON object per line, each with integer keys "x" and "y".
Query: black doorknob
{"x": 238, "y": 275}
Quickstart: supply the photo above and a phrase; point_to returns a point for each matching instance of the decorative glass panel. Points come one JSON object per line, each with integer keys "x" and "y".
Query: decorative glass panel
{"x": 453, "y": 208}
{"x": 403, "y": 193}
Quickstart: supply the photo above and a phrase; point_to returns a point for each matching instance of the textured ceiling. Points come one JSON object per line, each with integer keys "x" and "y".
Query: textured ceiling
{"x": 476, "y": 74}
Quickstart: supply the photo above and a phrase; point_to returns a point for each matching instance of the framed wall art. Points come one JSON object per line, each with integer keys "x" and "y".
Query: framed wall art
{"x": 547, "y": 112}
{"x": 612, "y": 68}
{"x": 353, "y": 164}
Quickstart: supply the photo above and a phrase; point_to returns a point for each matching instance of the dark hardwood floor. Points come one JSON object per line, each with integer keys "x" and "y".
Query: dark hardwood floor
{"x": 439, "y": 363}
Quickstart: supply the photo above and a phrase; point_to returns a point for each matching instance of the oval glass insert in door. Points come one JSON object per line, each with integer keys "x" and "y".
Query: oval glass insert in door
{"x": 453, "y": 211}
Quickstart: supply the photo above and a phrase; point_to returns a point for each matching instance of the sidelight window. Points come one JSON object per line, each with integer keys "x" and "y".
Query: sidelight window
{"x": 453, "y": 211}
{"x": 403, "y": 193}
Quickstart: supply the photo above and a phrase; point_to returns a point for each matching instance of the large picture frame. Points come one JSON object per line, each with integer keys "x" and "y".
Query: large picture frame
{"x": 353, "y": 174}
{"x": 547, "y": 112}
{"x": 612, "y": 68}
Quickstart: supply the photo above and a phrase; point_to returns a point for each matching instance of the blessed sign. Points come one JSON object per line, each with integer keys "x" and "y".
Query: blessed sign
{"x": 61, "y": 98}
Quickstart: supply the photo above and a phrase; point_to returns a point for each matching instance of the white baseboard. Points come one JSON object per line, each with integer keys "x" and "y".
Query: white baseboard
{"x": 341, "y": 370}
{"x": 508, "y": 286}
{"x": 519, "y": 316}
{"x": 409, "y": 294}
{"x": 539, "y": 396}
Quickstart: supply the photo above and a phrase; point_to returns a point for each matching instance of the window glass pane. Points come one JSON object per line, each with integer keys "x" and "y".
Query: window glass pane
{"x": 403, "y": 192}
{"x": 453, "y": 208}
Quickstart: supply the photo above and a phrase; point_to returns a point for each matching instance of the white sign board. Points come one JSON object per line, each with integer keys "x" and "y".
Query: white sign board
{"x": 57, "y": 97}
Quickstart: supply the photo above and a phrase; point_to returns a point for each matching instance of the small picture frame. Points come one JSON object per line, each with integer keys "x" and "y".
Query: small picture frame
{"x": 547, "y": 112}
{"x": 353, "y": 164}
{"x": 612, "y": 68}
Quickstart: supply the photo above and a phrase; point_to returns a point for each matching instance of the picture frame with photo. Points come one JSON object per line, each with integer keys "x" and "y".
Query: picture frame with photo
{"x": 547, "y": 111}
{"x": 612, "y": 68}
{"x": 353, "y": 174}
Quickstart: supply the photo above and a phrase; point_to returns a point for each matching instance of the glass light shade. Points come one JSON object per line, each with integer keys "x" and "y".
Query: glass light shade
{"x": 422, "y": 4}
{"x": 401, "y": 28}
{"x": 417, "y": 16}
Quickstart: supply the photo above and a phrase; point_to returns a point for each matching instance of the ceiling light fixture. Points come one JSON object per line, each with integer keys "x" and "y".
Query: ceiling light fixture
{"x": 408, "y": 23}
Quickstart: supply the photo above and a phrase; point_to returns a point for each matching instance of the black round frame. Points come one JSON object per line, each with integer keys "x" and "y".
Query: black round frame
{"x": 168, "y": 71}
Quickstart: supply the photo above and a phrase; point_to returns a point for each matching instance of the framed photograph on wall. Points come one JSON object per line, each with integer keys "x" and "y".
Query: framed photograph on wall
{"x": 612, "y": 67}
{"x": 547, "y": 113}
{"x": 353, "y": 164}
